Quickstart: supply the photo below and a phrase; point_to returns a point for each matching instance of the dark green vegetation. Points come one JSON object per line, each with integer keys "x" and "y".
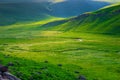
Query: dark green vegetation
{"x": 105, "y": 20}
{"x": 11, "y": 13}
{"x": 75, "y": 7}
{"x": 87, "y": 45}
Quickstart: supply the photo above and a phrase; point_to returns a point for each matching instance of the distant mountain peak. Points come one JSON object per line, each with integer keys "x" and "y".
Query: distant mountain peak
{"x": 27, "y": 10}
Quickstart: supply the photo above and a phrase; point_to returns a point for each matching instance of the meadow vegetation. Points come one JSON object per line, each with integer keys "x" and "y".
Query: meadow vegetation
{"x": 57, "y": 53}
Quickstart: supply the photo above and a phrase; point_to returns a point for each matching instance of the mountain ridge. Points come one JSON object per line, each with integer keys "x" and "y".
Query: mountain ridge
{"x": 104, "y": 20}
{"x": 11, "y": 13}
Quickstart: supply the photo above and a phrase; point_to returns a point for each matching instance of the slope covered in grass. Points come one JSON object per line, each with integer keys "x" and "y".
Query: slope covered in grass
{"x": 105, "y": 20}
{"x": 11, "y": 13}
{"x": 56, "y": 49}
{"x": 69, "y": 8}
{"x": 21, "y": 11}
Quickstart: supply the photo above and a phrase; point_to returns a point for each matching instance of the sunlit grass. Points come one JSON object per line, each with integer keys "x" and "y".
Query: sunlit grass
{"x": 94, "y": 56}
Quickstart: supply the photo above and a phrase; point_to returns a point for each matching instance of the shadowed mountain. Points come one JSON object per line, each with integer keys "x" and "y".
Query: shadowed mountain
{"x": 11, "y": 13}
{"x": 70, "y": 8}
{"x": 105, "y": 20}
{"x": 20, "y": 12}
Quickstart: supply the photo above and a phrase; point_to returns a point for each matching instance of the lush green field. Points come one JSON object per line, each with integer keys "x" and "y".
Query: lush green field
{"x": 55, "y": 49}
{"x": 53, "y": 55}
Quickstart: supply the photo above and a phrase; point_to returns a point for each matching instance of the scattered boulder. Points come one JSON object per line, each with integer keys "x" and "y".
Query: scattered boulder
{"x": 6, "y": 56}
{"x": 5, "y": 44}
{"x": 38, "y": 72}
{"x": 60, "y": 65}
{"x": 50, "y": 75}
{"x": 19, "y": 74}
{"x": 3, "y": 68}
{"x": 10, "y": 64}
{"x": 1, "y": 60}
{"x": 43, "y": 68}
{"x": 17, "y": 63}
{"x": 31, "y": 78}
{"x": 46, "y": 61}
{"x": 81, "y": 77}
{"x": 77, "y": 72}
{"x": 5, "y": 75}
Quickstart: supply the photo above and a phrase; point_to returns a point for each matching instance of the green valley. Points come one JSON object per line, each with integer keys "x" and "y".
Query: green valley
{"x": 86, "y": 47}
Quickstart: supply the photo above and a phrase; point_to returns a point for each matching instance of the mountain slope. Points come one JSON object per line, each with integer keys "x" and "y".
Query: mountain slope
{"x": 11, "y": 13}
{"x": 20, "y": 12}
{"x": 70, "y": 8}
{"x": 105, "y": 20}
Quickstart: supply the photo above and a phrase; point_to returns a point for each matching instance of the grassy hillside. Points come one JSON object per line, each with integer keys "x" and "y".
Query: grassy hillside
{"x": 11, "y": 13}
{"x": 70, "y": 8}
{"x": 24, "y": 12}
{"x": 62, "y": 49}
{"x": 105, "y": 20}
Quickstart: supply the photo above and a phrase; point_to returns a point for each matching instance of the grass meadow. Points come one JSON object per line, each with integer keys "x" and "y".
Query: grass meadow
{"x": 58, "y": 55}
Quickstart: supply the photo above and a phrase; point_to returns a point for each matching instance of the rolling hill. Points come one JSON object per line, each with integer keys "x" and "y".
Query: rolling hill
{"x": 62, "y": 49}
{"x": 11, "y": 13}
{"x": 66, "y": 8}
{"x": 20, "y": 12}
{"x": 104, "y": 20}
